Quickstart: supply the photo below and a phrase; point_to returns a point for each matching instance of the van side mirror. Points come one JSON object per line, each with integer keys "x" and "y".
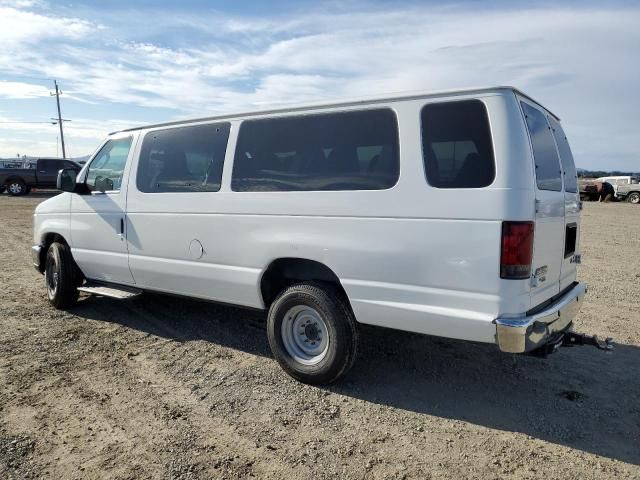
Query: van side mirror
{"x": 67, "y": 180}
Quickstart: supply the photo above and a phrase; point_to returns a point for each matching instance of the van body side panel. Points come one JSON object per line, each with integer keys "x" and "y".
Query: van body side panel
{"x": 411, "y": 257}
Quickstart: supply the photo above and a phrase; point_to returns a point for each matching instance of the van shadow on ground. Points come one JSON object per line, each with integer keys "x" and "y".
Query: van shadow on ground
{"x": 581, "y": 397}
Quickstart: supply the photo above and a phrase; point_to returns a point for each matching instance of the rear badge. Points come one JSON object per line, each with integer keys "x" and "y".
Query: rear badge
{"x": 539, "y": 276}
{"x": 577, "y": 259}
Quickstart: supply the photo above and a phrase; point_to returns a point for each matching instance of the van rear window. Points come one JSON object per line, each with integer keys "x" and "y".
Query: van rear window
{"x": 566, "y": 157}
{"x": 544, "y": 150}
{"x": 337, "y": 151}
{"x": 456, "y": 145}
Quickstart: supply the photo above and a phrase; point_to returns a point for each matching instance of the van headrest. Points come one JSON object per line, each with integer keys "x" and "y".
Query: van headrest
{"x": 343, "y": 159}
{"x": 473, "y": 172}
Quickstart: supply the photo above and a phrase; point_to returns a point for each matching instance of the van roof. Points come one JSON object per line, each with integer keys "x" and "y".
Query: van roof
{"x": 381, "y": 98}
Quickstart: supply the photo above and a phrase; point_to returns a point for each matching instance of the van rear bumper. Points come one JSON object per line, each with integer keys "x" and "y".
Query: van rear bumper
{"x": 526, "y": 333}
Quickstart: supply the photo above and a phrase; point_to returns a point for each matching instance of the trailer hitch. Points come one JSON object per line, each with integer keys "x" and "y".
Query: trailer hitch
{"x": 570, "y": 339}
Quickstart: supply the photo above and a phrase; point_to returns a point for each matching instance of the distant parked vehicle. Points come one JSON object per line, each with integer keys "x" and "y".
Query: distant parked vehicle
{"x": 629, "y": 192}
{"x": 617, "y": 180}
{"x": 20, "y": 181}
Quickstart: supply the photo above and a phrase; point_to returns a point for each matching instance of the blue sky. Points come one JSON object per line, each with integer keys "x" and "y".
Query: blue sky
{"x": 127, "y": 63}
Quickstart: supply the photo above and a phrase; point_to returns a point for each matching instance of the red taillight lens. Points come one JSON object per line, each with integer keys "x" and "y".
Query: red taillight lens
{"x": 517, "y": 250}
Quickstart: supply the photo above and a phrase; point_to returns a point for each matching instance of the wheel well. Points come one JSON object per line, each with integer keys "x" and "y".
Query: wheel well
{"x": 48, "y": 239}
{"x": 14, "y": 178}
{"x": 286, "y": 271}
{"x": 631, "y": 193}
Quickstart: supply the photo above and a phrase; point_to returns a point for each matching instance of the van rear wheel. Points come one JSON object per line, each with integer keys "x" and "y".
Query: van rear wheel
{"x": 312, "y": 332}
{"x": 61, "y": 276}
{"x": 633, "y": 197}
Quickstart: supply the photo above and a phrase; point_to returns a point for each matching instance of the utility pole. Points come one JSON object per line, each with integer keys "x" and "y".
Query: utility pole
{"x": 57, "y": 94}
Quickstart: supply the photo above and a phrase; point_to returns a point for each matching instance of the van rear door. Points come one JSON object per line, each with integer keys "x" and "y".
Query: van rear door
{"x": 548, "y": 246}
{"x": 571, "y": 205}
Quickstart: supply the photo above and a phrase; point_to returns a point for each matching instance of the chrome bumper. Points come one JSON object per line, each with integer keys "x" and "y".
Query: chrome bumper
{"x": 523, "y": 334}
{"x": 35, "y": 257}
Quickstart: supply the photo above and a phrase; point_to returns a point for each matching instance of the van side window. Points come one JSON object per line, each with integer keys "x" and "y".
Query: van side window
{"x": 183, "y": 159}
{"x": 545, "y": 154}
{"x": 456, "y": 145}
{"x": 566, "y": 157}
{"x": 106, "y": 168}
{"x": 335, "y": 151}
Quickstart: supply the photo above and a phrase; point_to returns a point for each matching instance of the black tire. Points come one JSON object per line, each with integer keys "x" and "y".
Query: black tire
{"x": 17, "y": 187}
{"x": 336, "y": 317}
{"x": 634, "y": 197}
{"x": 2, "y": 189}
{"x": 61, "y": 276}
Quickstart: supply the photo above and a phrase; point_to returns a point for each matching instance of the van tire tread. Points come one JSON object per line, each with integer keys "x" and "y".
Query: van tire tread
{"x": 332, "y": 304}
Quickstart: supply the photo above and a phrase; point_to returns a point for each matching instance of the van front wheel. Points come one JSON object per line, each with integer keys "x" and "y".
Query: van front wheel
{"x": 313, "y": 333}
{"x": 60, "y": 276}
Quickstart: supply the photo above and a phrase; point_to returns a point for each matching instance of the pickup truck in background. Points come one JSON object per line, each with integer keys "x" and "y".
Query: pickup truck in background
{"x": 629, "y": 192}
{"x": 20, "y": 181}
{"x": 627, "y": 189}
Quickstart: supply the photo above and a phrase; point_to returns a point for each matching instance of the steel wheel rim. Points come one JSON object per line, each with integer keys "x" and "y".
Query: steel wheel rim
{"x": 305, "y": 335}
{"x": 51, "y": 276}
{"x": 634, "y": 198}
{"x": 15, "y": 188}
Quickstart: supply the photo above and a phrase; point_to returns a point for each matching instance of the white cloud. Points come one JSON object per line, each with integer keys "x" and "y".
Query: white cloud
{"x": 579, "y": 61}
{"x": 22, "y": 90}
{"x": 18, "y": 26}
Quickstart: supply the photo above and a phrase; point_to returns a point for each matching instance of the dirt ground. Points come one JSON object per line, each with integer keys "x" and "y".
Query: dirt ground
{"x": 160, "y": 387}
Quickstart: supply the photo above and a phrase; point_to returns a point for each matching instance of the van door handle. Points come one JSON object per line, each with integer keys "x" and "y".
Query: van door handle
{"x": 121, "y": 227}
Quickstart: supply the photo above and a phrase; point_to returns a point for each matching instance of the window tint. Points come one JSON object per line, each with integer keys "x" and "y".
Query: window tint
{"x": 566, "y": 157}
{"x": 337, "y": 151}
{"x": 184, "y": 159}
{"x": 49, "y": 166}
{"x": 105, "y": 171}
{"x": 456, "y": 145}
{"x": 70, "y": 165}
{"x": 544, "y": 150}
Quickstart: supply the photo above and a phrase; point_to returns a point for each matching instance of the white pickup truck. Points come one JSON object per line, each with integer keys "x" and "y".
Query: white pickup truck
{"x": 453, "y": 214}
{"x": 629, "y": 192}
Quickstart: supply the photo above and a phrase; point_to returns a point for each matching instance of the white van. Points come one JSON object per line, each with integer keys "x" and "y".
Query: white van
{"x": 453, "y": 214}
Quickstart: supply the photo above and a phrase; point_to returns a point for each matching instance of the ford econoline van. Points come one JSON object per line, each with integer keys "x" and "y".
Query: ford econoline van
{"x": 453, "y": 214}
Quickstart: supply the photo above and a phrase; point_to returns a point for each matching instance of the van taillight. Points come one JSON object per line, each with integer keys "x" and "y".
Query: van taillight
{"x": 517, "y": 250}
